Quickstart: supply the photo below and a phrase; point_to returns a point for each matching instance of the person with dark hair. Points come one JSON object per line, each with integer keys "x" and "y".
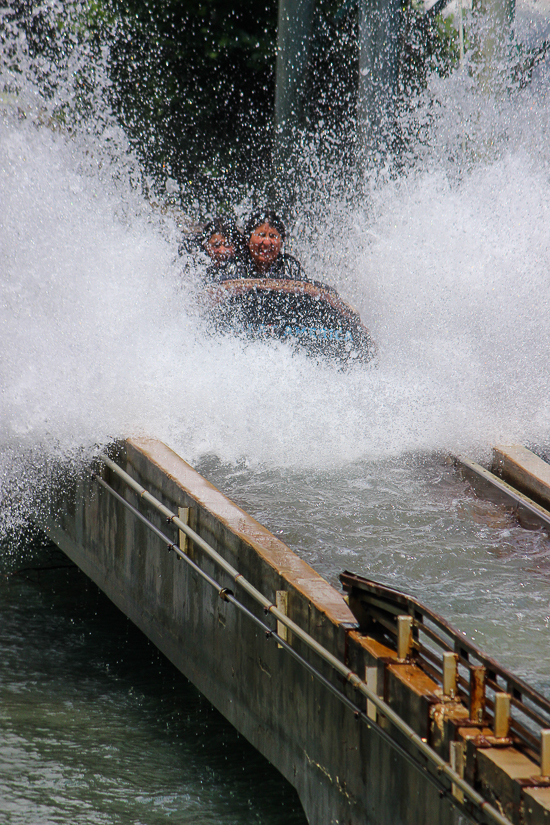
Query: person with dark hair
{"x": 268, "y": 295}
{"x": 264, "y": 255}
{"x": 222, "y": 242}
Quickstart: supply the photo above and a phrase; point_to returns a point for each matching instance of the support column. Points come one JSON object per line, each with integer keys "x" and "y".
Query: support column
{"x": 379, "y": 29}
{"x": 293, "y": 51}
{"x": 492, "y": 36}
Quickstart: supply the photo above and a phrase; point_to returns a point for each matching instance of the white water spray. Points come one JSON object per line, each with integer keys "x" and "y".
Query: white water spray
{"x": 101, "y": 338}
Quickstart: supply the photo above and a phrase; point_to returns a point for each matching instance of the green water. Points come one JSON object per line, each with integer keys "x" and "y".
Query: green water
{"x": 97, "y": 727}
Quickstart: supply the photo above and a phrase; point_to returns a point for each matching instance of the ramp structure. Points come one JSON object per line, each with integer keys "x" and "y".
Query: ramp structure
{"x": 373, "y": 707}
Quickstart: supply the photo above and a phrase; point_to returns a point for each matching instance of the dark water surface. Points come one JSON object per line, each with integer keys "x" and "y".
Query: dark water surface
{"x": 97, "y": 727}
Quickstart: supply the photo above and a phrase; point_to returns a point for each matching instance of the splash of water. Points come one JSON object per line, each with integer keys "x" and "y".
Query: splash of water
{"x": 447, "y": 264}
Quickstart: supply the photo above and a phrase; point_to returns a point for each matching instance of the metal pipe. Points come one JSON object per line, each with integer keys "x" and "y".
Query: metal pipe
{"x": 268, "y": 606}
{"x": 170, "y": 545}
{"x": 337, "y": 693}
{"x": 440, "y": 764}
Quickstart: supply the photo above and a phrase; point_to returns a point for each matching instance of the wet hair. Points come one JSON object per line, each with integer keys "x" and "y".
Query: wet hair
{"x": 264, "y": 216}
{"x": 220, "y": 226}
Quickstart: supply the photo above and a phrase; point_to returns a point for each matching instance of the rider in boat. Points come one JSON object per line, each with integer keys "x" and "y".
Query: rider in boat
{"x": 222, "y": 242}
{"x": 254, "y": 300}
{"x": 263, "y": 254}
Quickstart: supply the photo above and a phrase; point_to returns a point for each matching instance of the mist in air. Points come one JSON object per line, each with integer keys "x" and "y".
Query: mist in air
{"x": 103, "y": 338}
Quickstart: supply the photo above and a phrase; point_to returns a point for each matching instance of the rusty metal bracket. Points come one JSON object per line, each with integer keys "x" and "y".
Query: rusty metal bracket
{"x": 482, "y": 742}
{"x": 534, "y": 782}
{"x": 468, "y": 723}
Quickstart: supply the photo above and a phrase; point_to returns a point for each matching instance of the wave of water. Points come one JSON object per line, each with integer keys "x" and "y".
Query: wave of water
{"x": 448, "y": 266}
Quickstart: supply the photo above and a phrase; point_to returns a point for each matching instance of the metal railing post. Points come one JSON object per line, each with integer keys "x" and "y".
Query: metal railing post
{"x": 450, "y": 673}
{"x": 404, "y": 636}
{"x": 545, "y": 752}
{"x": 502, "y": 715}
{"x": 477, "y": 693}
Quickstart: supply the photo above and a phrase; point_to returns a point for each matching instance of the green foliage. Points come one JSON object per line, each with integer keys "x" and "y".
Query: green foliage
{"x": 430, "y": 45}
{"x": 193, "y": 83}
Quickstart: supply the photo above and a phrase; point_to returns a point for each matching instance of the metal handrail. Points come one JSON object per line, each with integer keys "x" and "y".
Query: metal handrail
{"x": 413, "y": 606}
{"x": 378, "y": 599}
{"x": 442, "y": 767}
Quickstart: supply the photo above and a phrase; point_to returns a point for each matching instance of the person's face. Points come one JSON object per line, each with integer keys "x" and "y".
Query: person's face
{"x": 264, "y": 245}
{"x": 219, "y": 248}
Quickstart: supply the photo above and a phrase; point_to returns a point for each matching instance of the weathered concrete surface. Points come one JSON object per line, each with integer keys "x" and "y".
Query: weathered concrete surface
{"x": 523, "y": 470}
{"x": 494, "y": 486}
{"x": 537, "y": 806}
{"x": 343, "y": 770}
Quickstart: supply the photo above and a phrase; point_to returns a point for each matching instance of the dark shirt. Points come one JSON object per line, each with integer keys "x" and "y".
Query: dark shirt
{"x": 286, "y": 266}
{"x": 226, "y": 271}
{"x": 244, "y": 267}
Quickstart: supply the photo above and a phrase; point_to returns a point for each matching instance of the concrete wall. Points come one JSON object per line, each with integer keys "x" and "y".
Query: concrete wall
{"x": 343, "y": 771}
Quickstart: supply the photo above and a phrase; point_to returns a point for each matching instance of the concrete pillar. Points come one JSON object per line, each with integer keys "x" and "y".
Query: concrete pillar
{"x": 293, "y": 52}
{"x": 379, "y": 30}
{"x": 492, "y": 40}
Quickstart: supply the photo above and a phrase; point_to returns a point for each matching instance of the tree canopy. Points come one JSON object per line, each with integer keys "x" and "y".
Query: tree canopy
{"x": 193, "y": 83}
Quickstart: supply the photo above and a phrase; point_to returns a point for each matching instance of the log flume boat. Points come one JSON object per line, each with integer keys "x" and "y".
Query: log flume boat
{"x": 306, "y": 314}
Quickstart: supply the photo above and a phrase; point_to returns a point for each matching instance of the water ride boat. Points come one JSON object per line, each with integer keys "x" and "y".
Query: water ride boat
{"x": 308, "y": 314}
